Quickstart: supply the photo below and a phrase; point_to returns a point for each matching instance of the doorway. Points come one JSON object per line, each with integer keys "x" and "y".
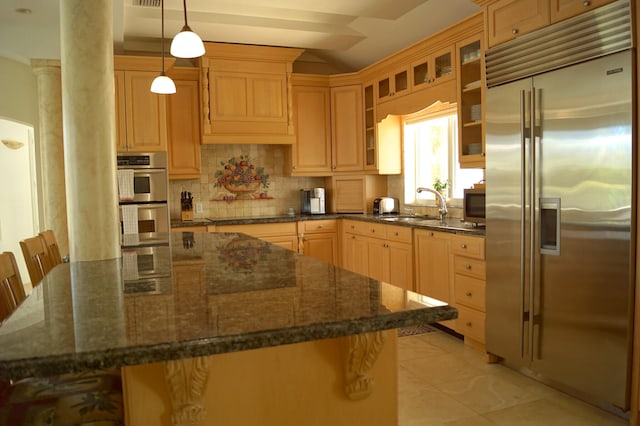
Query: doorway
{"x": 18, "y": 188}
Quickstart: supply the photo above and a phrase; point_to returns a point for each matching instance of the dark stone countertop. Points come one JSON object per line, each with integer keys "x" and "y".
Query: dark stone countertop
{"x": 222, "y": 292}
{"x": 417, "y": 222}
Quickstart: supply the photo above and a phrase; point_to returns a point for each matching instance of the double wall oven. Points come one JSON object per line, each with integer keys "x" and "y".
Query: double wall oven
{"x": 144, "y": 220}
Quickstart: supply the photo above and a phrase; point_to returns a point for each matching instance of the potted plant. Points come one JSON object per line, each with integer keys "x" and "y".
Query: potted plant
{"x": 440, "y": 185}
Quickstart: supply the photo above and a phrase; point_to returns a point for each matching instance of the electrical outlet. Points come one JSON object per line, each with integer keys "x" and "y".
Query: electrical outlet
{"x": 198, "y": 207}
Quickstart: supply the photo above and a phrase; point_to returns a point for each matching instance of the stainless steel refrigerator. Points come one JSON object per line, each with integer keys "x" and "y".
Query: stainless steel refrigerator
{"x": 560, "y": 208}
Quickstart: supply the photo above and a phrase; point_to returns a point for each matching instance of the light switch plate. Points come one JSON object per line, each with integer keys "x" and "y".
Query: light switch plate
{"x": 198, "y": 208}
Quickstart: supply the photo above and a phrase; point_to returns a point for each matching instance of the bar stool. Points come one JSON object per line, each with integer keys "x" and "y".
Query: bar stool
{"x": 37, "y": 258}
{"x": 50, "y": 241}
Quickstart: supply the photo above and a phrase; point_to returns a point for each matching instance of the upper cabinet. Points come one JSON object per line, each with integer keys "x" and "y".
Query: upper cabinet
{"x": 310, "y": 155}
{"x": 183, "y": 125}
{"x": 247, "y": 94}
{"x": 563, "y": 9}
{"x": 433, "y": 69}
{"x": 347, "y": 128}
{"x": 392, "y": 84}
{"x": 470, "y": 83}
{"x": 508, "y": 19}
{"x": 382, "y": 140}
{"x": 140, "y": 114}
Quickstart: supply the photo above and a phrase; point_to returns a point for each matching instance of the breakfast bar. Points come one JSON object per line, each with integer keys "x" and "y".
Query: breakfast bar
{"x": 232, "y": 330}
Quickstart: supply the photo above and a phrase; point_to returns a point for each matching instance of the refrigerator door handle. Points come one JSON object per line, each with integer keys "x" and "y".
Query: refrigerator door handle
{"x": 532, "y": 220}
{"x": 524, "y": 135}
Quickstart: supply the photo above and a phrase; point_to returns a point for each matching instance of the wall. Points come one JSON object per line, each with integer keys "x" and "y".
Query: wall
{"x": 19, "y": 100}
{"x": 283, "y": 190}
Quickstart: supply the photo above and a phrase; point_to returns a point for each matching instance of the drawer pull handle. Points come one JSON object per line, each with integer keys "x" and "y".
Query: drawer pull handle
{"x": 467, "y": 267}
{"x": 468, "y": 294}
{"x": 463, "y": 246}
{"x": 514, "y": 31}
{"x": 469, "y": 324}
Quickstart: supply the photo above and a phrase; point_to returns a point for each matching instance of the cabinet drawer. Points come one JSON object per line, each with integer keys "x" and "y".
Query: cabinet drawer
{"x": 401, "y": 234}
{"x": 315, "y": 226}
{"x": 262, "y": 229}
{"x": 470, "y": 292}
{"x": 469, "y": 266}
{"x": 471, "y": 323}
{"x": 468, "y": 246}
{"x": 377, "y": 230}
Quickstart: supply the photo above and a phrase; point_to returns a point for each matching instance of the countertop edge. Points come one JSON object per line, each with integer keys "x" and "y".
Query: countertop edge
{"x": 122, "y": 357}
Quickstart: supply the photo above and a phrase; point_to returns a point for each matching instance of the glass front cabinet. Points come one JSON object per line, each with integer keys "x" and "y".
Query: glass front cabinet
{"x": 470, "y": 86}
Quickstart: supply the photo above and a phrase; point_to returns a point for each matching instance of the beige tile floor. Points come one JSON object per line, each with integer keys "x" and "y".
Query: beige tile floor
{"x": 443, "y": 382}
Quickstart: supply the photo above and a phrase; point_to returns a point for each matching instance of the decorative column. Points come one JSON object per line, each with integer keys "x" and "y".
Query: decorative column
{"x": 54, "y": 200}
{"x": 88, "y": 104}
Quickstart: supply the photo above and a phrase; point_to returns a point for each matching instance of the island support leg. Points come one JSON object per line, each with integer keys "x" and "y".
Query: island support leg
{"x": 187, "y": 381}
{"x": 362, "y": 353}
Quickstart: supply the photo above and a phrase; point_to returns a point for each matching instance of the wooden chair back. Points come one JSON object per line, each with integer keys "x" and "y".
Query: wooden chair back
{"x": 11, "y": 288}
{"x": 37, "y": 258}
{"x": 52, "y": 246}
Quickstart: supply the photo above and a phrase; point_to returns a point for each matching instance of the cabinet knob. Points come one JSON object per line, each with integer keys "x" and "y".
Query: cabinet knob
{"x": 320, "y": 226}
{"x": 293, "y": 167}
{"x": 463, "y": 246}
{"x": 468, "y": 294}
{"x": 396, "y": 233}
{"x": 514, "y": 31}
{"x": 373, "y": 231}
{"x": 469, "y": 324}
{"x": 586, "y": 3}
{"x": 431, "y": 234}
{"x": 353, "y": 237}
{"x": 467, "y": 267}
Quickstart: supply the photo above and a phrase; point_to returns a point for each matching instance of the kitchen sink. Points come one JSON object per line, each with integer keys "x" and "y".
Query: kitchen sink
{"x": 453, "y": 224}
{"x": 403, "y": 219}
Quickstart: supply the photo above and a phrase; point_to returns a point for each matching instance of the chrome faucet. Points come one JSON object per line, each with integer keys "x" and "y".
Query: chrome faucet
{"x": 443, "y": 202}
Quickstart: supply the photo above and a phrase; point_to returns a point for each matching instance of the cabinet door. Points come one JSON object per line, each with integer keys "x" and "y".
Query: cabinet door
{"x": 433, "y": 269}
{"x": 470, "y": 90}
{"x": 508, "y": 19}
{"x": 400, "y": 257}
{"x": 394, "y": 84}
{"x": 121, "y": 114}
{"x": 564, "y": 9}
{"x": 347, "y": 128}
{"x": 433, "y": 69}
{"x": 377, "y": 259}
{"x": 290, "y": 242}
{"x": 355, "y": 256}
{"x": 145, "y": 113}
{"x": 183, "y": 131}
{"x": 312, "y": 123}
{"x": 322, "y": 246}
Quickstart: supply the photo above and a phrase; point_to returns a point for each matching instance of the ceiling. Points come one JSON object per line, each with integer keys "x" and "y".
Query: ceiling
{"x": 338, "y": 35}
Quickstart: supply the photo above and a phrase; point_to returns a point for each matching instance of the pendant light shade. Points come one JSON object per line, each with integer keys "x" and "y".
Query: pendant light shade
{"x": 187, "y": 44}
{"x": 163, "y": 84}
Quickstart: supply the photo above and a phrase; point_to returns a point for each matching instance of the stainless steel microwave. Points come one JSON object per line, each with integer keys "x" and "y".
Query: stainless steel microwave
{"x": 474, "y": 209}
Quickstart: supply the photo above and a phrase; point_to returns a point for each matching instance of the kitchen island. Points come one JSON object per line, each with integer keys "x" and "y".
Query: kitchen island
{"x": 239, "y": 332}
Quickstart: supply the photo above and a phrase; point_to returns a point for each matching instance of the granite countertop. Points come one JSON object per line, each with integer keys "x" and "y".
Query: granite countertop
{"x": 220, "y": 292}
{"x": 452, "y": 225}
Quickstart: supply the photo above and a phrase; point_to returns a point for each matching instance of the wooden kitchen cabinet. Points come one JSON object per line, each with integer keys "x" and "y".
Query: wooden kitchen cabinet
{"x": 355, "y": 194}
{"x": 282, "y": 234}
{"x": 508, "y": 19}
{"x": 247, "y": 94}
{"x": 433, "y": 264}
{"x": 433, "y": 69}
{"x": 183, "y": 125}
{"x": 470, "y": 89}
{"x": 564, "y": 9}
{"x": 379, "y": 251}
{"x": 469, "y": 284}
{"x": 347, "y": 131}
{"x": 394, "y": 83}
{"x": 382, "y": 140}
{"x": 310, "y": 155}
{"x": 140, "y": 114}
{"x": 319, "y": 239}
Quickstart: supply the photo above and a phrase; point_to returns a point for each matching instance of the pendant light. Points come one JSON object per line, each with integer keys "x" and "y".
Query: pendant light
{"x": 163, "y": 84}
{"x": 187, "y": 44}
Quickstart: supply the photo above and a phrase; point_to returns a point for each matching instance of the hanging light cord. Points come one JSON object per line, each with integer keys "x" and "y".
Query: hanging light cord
{"x": 184, "y": 8}
{"x": 162, "y": 41}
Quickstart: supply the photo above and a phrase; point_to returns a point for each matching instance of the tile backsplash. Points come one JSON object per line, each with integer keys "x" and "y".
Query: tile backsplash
{"x": 283, "y": 190}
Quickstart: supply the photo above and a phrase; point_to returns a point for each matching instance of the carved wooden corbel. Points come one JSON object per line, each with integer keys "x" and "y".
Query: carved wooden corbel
{"x": 362, "y": 354}
{"x": 187, "y": 382}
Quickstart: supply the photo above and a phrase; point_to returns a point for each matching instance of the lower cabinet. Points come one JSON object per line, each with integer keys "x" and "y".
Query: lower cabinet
{"x": 319, "y": 239}
{"x": 469, "y": 283}
{"x": 281, "y": 234}
{"x": 383, "y": 252}
{"x": 451, "y": 268}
